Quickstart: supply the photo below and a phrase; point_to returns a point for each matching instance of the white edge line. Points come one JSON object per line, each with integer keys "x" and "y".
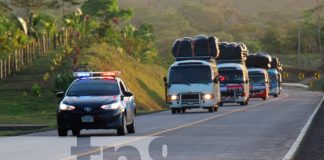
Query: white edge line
{"x": 292, "y": 151}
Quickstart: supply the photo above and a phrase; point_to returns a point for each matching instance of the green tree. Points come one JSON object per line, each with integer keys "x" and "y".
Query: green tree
{"x": 140, "y": 43}
{"x": 43, "y": 24}
{"x": 137, "y": 42}
{"x": 11, "y": 37}
{"x": 309, "y": 28}
{"x": 84, "y": 29}
{"x": 108, "y": 14}
{"x": 253, "y": 46}
{"x": 273, "y": 39}
{"x": 30, "y": 7}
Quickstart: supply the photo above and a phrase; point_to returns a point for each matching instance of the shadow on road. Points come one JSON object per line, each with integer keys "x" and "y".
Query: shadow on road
{"x": 98, "y": 135}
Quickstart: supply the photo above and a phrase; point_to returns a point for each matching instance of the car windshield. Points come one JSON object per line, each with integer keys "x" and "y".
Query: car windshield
{"x": 94, "y": 88}
{"x": 257, "y": 79}
{"x": 231, "y": 76}
{"x": 190, "y": 74}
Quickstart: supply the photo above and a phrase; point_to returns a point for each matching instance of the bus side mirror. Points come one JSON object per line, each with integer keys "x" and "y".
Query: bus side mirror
{"x": 217, "y": 79}
{"x": 165, "y": 80}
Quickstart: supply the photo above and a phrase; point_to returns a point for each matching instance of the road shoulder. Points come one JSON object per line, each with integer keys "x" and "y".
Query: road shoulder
{"x": 312, "y": 146}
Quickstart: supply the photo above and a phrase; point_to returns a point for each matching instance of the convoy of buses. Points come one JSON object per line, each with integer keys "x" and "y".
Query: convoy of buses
{"x": 218, "y": 73}
{"x": 206, "y": 74}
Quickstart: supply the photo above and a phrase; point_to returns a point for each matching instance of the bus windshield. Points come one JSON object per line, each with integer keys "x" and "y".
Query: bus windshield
{"x": 273, "y": 77}
{"x": 190, "y": 74}
{"x": 257, "y": 79}
{"x": 231, "y": 76}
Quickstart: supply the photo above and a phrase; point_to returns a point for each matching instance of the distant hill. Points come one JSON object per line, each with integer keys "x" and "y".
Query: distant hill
{"x": 246, "y": 7}
{"x": 230, "y": 20}
{"x": 53, "y": 7}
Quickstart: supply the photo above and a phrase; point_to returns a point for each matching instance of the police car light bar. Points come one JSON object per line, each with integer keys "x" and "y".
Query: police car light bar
{"x": 81, "y": 74}
{"x": 112, "y": 73}
{"x": 96, "y": 74}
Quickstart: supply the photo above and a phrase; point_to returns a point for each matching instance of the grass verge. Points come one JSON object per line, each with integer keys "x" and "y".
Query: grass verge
{"x": 19, "y": 105}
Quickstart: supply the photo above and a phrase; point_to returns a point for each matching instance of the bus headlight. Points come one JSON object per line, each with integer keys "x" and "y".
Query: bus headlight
{"x": 208, "y": 96}
{"x": 173, "y": 97}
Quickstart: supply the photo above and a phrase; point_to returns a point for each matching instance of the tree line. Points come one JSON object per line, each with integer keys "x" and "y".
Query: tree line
{"x": 22, "y": 39}
{"x": 262, "y": 29}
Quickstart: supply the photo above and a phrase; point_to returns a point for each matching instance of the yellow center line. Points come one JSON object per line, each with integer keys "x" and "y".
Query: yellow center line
{"x": 176, "y": 128}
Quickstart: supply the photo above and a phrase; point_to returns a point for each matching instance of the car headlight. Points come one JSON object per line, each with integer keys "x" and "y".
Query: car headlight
{"x": 173, "y": 97}
{"x": 208, "y": 96}
{"x": 111, "y": 106}
{"x": 65, "y": 107}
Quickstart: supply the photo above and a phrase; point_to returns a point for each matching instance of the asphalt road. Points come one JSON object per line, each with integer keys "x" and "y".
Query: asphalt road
{"x": 261, "y": 130}
{"x": 312, "y": 146}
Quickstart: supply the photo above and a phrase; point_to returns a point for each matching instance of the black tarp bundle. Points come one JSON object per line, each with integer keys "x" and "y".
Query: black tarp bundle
{"x": 259, "y": 60}
{"x": 199, "y": 46}
{"x": 276, "y": 64}
{"x": 183, "y": 47}
{"x": 232, "y": 52}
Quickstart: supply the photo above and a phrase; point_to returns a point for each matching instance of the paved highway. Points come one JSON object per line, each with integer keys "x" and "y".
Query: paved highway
{"x": 262, "y": 130}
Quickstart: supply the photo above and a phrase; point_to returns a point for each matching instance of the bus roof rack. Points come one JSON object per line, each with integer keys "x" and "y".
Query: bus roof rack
{"x": 205, "y": 58}
{"x": 231, "y": 61}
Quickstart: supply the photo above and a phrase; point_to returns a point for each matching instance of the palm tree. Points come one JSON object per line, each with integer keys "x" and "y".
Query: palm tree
{"x": 83, "y": 28}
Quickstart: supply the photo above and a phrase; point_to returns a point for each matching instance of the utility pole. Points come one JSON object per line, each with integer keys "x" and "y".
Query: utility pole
{"x": 319, "y": 30}
{"x": 299, "y": 41}
{"x": 63, "y": 8}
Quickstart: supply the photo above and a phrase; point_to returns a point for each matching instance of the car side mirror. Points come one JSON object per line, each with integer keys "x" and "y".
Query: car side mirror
{"x": 128, "y": 94}
{"x": 60, "y": 94}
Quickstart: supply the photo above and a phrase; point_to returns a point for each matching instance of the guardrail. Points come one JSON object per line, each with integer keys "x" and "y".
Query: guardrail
{"x": 295, "y": 85}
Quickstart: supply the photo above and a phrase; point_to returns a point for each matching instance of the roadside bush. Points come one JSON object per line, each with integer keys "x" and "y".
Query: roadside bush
{"x": 36, "y": 89}
{"x": 63, "y": 80}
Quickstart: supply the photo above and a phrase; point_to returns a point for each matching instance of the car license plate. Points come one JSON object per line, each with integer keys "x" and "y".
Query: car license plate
{"x": 87, "y": 119}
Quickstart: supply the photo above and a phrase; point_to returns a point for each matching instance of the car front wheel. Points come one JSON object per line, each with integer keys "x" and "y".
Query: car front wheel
{"x": 173, "y": 110}
{"x": 121, "y": 131}
{"x": 62, "y": 132}
{"x": 216, "y": 109}
{"x": 131, "y": 127}
{"x": 76, "y": 132}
